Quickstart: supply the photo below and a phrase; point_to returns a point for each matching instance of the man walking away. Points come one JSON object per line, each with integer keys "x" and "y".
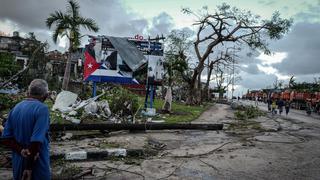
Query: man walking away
{"x": 256, "y": 101}
{"x": 280, "y": 106}
{"x": 269, "y": 104}
{"x": 273, "y": 107}
{"x": 287, "y": 106}
{"x": 26, "y": 133}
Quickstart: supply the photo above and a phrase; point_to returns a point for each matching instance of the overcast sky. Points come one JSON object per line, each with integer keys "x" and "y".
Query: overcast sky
{"x": 295, "y": 54}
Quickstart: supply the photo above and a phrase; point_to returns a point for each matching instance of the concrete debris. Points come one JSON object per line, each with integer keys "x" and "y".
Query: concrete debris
{"x": 9, "y": 91}
{"x": 104, "y": 107}
{"x": 88, "y": 101}
{"x": 73, "y": 113}
{"x": 67, "y": 136}
{"x": 91, "y": 108}
{"x": 64, "y": 101}
{"x": 71, "y": 119}
{"x": 149, "y": 112}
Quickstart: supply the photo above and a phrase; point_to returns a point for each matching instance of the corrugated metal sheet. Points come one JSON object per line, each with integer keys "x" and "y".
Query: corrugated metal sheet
{"x": 128, "y": 52}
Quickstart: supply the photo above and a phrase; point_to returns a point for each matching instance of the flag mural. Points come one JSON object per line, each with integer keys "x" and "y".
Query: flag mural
{"x": 115, "y": 59}
{"x": 111, "y": 59}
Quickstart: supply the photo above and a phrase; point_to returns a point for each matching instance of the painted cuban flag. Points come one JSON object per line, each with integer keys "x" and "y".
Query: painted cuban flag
{"x": 100, "y": 72}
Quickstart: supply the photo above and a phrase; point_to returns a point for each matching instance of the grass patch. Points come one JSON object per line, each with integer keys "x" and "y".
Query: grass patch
{"x": 180, "y": 112}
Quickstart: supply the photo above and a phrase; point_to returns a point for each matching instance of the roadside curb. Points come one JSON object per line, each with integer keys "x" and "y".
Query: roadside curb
{"x": 97, "y": 155}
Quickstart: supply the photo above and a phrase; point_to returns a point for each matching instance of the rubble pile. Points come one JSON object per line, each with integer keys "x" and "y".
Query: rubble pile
{"x": 116, "y": 106}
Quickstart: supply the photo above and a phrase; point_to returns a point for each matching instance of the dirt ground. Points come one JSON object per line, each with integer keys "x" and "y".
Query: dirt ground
{"x": 270, "y": 147}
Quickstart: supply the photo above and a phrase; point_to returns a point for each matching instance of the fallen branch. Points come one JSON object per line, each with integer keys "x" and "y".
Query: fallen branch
{"x": 210, "y": 165}
{"x": 123, "y": 170}
{"x": 86, "y": 172}
{"x": 200, "y": 155}
{"x": 118, "y": 170}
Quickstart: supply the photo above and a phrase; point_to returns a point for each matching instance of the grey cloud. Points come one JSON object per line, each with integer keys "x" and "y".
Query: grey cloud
{"x": 31, "y": 14}
{"x": 251, "y": 69}
{"x": 311, "y": 14}
{"x": 111, "y": 16}
{"x": 257, "y": 81}
{"x": 267, "y": 3}
{"x": 302, "y": 45}
{"x": 161, "y": 24}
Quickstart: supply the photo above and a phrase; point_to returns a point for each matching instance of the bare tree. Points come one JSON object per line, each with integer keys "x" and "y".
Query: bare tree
{"x": 224, "y": 58}
{"x": 230, "y": 24}
{"x": 224, "y": 77}
{"x": 175, "y": 63}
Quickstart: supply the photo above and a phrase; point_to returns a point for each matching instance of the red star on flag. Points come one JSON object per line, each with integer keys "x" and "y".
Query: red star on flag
{"x": 90, "y": 65}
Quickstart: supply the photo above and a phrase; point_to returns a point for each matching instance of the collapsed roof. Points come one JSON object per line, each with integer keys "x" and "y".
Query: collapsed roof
{"x": 129, "y": 53}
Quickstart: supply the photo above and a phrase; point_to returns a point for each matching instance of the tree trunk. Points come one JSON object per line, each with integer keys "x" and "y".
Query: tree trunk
{"x": 191, "y": 94}
{"x": 207, "y": 89}
{"x": 147, "y": 126}
{"x": 221, "y": 92}
{"x": 192, "y": 88}
{"x": 199, "y": 89}
{"x": 168, "y": 100}
{"x": 66, "y": 77}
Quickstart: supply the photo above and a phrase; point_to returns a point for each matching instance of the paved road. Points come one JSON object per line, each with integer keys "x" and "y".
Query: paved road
{"x": 298, "y": 115}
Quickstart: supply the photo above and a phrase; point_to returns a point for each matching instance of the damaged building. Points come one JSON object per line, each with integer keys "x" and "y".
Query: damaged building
{"x": 20, "y": 47}
{"x": 118, "y": 59}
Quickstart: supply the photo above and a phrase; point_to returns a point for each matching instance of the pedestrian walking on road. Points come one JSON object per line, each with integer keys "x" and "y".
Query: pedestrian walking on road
{"x": 256, "y": 101}
{"x": 287, "y": 106}
{"x": 280, "y": 104}
{"x": 269, "y": 101}
{"x": 26, "y": 133}
{"x": 309, "y": 108}
{"x": 273, "y": 107}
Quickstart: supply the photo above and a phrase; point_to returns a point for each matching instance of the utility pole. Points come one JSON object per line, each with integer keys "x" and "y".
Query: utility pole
{"x": 232, "y": 90}
{"x": 208, "y": 70}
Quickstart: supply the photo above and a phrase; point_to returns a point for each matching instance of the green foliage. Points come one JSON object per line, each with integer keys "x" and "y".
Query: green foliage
{"x": 248, "y": 112}
{"x": 8, "y": 101}
{"x": 277, "y": 26}
{"x": 121, "y": 101}
{"x": 306, "y": 87}
{"x": 8, "y": 65}
{"x": 175, "y": 64}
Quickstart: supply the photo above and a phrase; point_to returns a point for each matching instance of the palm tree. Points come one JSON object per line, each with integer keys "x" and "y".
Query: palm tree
{"x": 291, "y": 82}
{"x": 68, "y": 24}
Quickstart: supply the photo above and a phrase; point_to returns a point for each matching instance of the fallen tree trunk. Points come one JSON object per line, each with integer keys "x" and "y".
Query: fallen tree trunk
{"x": 148, "y": 126}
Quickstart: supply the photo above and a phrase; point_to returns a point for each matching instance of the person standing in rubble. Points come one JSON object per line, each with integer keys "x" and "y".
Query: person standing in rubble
{"x": 26, "y": 133}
